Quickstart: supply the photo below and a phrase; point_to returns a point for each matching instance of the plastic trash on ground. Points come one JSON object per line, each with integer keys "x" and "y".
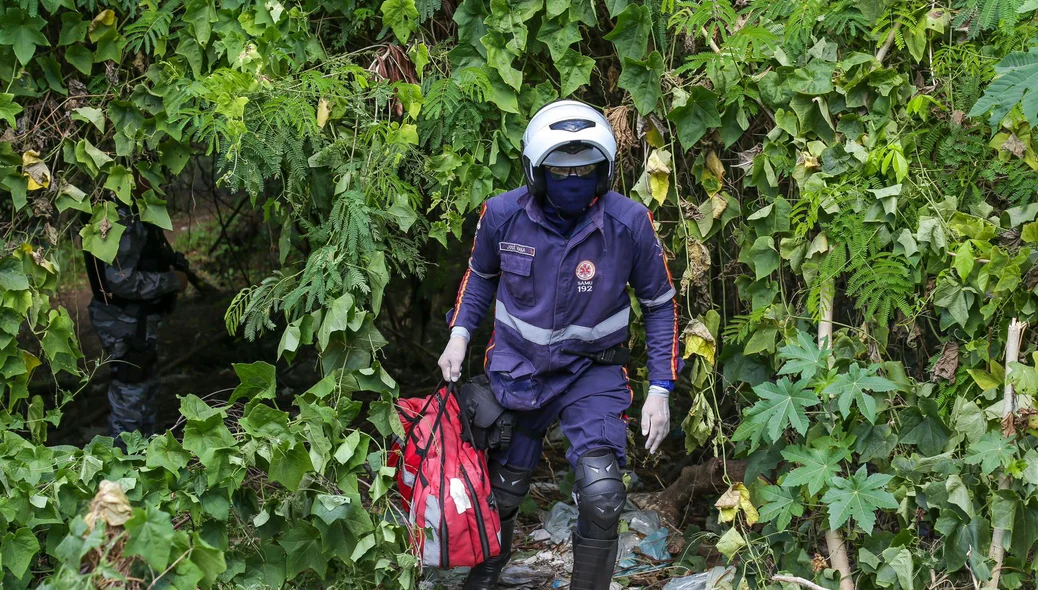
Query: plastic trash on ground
{"x": 560, "y": 523}
{"x": 540, "y": 535}
{"x": 654, "y": 546}
{"x": 708, "y": 580}
{"x": 645, "y": 522}
{"x": 625, "y": 554}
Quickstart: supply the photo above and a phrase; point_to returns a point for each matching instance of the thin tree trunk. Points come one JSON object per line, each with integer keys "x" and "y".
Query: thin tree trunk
{"x": 839, "y": 557}
{"x": 998, "y": 549}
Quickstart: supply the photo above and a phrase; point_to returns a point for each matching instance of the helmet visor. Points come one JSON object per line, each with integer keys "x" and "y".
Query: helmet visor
{"x": 574, "y": 154}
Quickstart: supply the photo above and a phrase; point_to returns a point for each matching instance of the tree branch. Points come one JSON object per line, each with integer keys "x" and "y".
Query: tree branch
{"x": 882, "y": 53}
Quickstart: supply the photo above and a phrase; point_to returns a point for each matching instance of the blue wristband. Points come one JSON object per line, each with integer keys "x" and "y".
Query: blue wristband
{"x": 665, "y": 384}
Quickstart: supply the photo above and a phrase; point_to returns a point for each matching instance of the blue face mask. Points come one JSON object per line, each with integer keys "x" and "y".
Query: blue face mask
{"x": 572, "y": 195}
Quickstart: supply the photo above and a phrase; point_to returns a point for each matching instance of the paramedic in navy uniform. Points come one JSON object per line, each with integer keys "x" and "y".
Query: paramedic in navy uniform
{"x": 555, "y": 258}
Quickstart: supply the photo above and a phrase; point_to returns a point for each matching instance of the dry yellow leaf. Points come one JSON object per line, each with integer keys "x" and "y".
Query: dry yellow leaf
{"x": 323, "y": 110}
{"x": 736, "y": 498}
{"x": 713, "y": 164}
{"x": 658, "y": 168}
{"x": 35, "y": 170}
{"x": 717, "y": 205}
{"x": 106, "y": 18}
{"x": 110, "y": 505}
{"x": 699, "y": 341}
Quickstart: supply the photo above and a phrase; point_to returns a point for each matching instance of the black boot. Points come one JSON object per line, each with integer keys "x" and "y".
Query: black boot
{"x": 484, "y": 576}
{"x": 593, "y": 563}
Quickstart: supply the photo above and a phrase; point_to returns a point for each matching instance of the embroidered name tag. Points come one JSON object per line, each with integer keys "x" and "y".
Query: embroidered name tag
{"x": 517, "y": 248}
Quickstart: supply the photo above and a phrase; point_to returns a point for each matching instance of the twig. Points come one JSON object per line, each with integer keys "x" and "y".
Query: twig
{"x": 799, "y": 582}
{"x": 882, "y": 53}
{"x": 709, "y": 40}
{"x": 1014, "y": 334}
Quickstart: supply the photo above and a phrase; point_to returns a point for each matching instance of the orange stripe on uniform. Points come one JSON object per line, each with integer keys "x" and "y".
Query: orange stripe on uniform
{"x": 674, "y": 348}
{"x": 628, "y": 378}
{"x": 486, "y": 355}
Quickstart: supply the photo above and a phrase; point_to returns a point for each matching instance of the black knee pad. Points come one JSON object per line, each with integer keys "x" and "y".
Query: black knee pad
{"x": 601, "y": 494}
{"x": 510, "y": 487}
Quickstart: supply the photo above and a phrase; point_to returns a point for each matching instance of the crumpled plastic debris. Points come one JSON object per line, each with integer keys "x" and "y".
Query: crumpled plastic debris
{"x": 645, "y": 522}
{"x": 560, "y": 523}
{"x": 654, "y": 546}
{"x": 540, "y": 535}
{"x": 625, "y": 553}
{"x": 712, "y": 579}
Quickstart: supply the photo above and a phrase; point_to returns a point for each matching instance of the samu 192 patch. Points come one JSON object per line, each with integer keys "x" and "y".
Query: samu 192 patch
{"x": 517, "y": 248}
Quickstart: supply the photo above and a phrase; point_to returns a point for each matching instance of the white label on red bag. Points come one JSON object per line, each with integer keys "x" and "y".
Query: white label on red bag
{"x": 461, "y": 499}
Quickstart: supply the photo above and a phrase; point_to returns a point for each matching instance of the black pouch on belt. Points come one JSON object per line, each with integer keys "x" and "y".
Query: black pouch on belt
{"x": 485, "y": 422}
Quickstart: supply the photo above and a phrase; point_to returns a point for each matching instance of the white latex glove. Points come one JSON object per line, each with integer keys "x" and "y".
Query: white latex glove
{"x": 656, "y": 417}
{"x": 452, "y": 357}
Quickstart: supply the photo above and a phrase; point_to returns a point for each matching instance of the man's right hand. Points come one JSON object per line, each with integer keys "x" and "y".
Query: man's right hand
{"x": 452, "y": 357}
{"x": 182, "y": 277}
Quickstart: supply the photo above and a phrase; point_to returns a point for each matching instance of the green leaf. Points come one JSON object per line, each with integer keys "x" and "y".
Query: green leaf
{"x": 858, "y": 497}
{"x": 500, "y": 58}
{"x": 330, "y": 508}
{"x": 288, "y": 463}
{"x": 94, "y": 116}
{"x": 1016, "y": 83}
{"x": 616, "y": 7}
{"x": 962, "y": 540}
{"x": 401, "y": 16}
{"x": 730, "y": 543}
{"x": 379, "y": 278}
{"x": 165, "y": 451}
{"x": 9, "y": 109}
{"x": 385, "y": 418}
{"x": 73, "y": 29}
{"x": 897, "y": 567}
{"x": 336, "y": 319}
{"x": 803, "y": 357}
{"x": 781, "y": 405}
{"x": 696, "y": 116}
{"x": 818, "y": 466}
{"x": 850, "y": 388}
{"x": 258, "y": 381}
{"x": 991, "y": 452}
{"x": 969, "y": 419}
{"x": 763, "y": 256}
{"x": 120, "y": 182}
{"x": 558, "y": 37}
{"x": 814, "y": 80}
{"x": 150, "y": 536}
{"x": 208, "y": 559}
{"x": 964, "y": 260}
{"x": 23, "y": 33}
{"x": 781, "y": 504}
{"x": 631, "y": 33}
{"x": 18, "y": 549}
{"x": 263, "y": 421}
{"x": 201, "y": 14}
{"x": 574, "y": 71}
{"x": 93, "y": 158}
{"x": 302, "y": 544}
{"x": 642, "y": 80}
{"x": 101, "y": 242}
{"x": 923, "y": 426}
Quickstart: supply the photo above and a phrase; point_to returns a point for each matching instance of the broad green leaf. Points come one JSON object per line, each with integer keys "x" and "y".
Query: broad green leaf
{"x": 289, "y": 462}
{"x": 873, "y": 441}
{"x": 9, "y": 109}
{"x": 201, "y": 14}
{"x": 558, "y": 37}
{"x": 401, "y": 16}
{"x": 18, "y": 548}
{"x": 22, "y": 32}
{"x": 781, "y": 405}
{"x": 968, "y": 418}
{"x": 697, "y": 116}
{"x": 574, "y": 71}
{"x": 165, "y": 451}
{"x": 962, "y": 540}
{"x": 257, "y": 381}
{"x": 991, "y": 452}
{"x": 330, "y": 508}
{"x": 500, "y": 58}
{"x": 101, "y": 236}
{"x": 302, "y": 544}
{"x": 781, "y": 504}
{"x": 851, "y": 387}
{"x": 208, "y": 559}
{"x": 632, "y": 30}
{"x": 94, "y": 116}
{"x": 642, "y": 80}
{"x": 923, "y": 426}
{"x": 121, "y": 182}
{"x": 803, "y": 357}
{"x": 263, "y": 421}
{"x": 763, "y": 256}
{"x": 509, "y": 17}
{"x": 964, "y": 260}
{"x": 616, "y": 7}
{"x": 336, "y": 319}
{"x": 150, "y": 536}
{"x": 897, "y": 567}
{"x": 858, "y": 497}
{"x": 730, "y": 543}
{"x": 93, "y": 158}
{"x": 818, "y": 466}
{"x": 385, "y": 418}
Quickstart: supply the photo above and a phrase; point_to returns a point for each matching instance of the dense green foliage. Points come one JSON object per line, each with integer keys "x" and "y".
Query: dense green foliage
{"x": 873, "y": 159}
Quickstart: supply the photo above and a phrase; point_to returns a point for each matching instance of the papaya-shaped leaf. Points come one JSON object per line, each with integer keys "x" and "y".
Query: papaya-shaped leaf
{"x": 858, "y": 497}
{"x": 22, "y": 32}
{"x": 401, "y": 16}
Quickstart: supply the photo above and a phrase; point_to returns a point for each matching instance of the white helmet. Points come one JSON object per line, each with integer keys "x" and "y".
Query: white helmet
{"x": 568, "y": 133}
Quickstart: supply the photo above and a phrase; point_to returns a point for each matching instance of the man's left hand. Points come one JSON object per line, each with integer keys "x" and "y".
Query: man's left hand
{"x": 656, "y": 417}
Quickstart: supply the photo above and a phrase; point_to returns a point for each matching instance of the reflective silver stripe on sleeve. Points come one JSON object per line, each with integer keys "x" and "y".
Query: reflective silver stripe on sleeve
{"x": 481, "y": 275}
{"x": 544, "y": 337}
{"x": 659, "y": 300}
